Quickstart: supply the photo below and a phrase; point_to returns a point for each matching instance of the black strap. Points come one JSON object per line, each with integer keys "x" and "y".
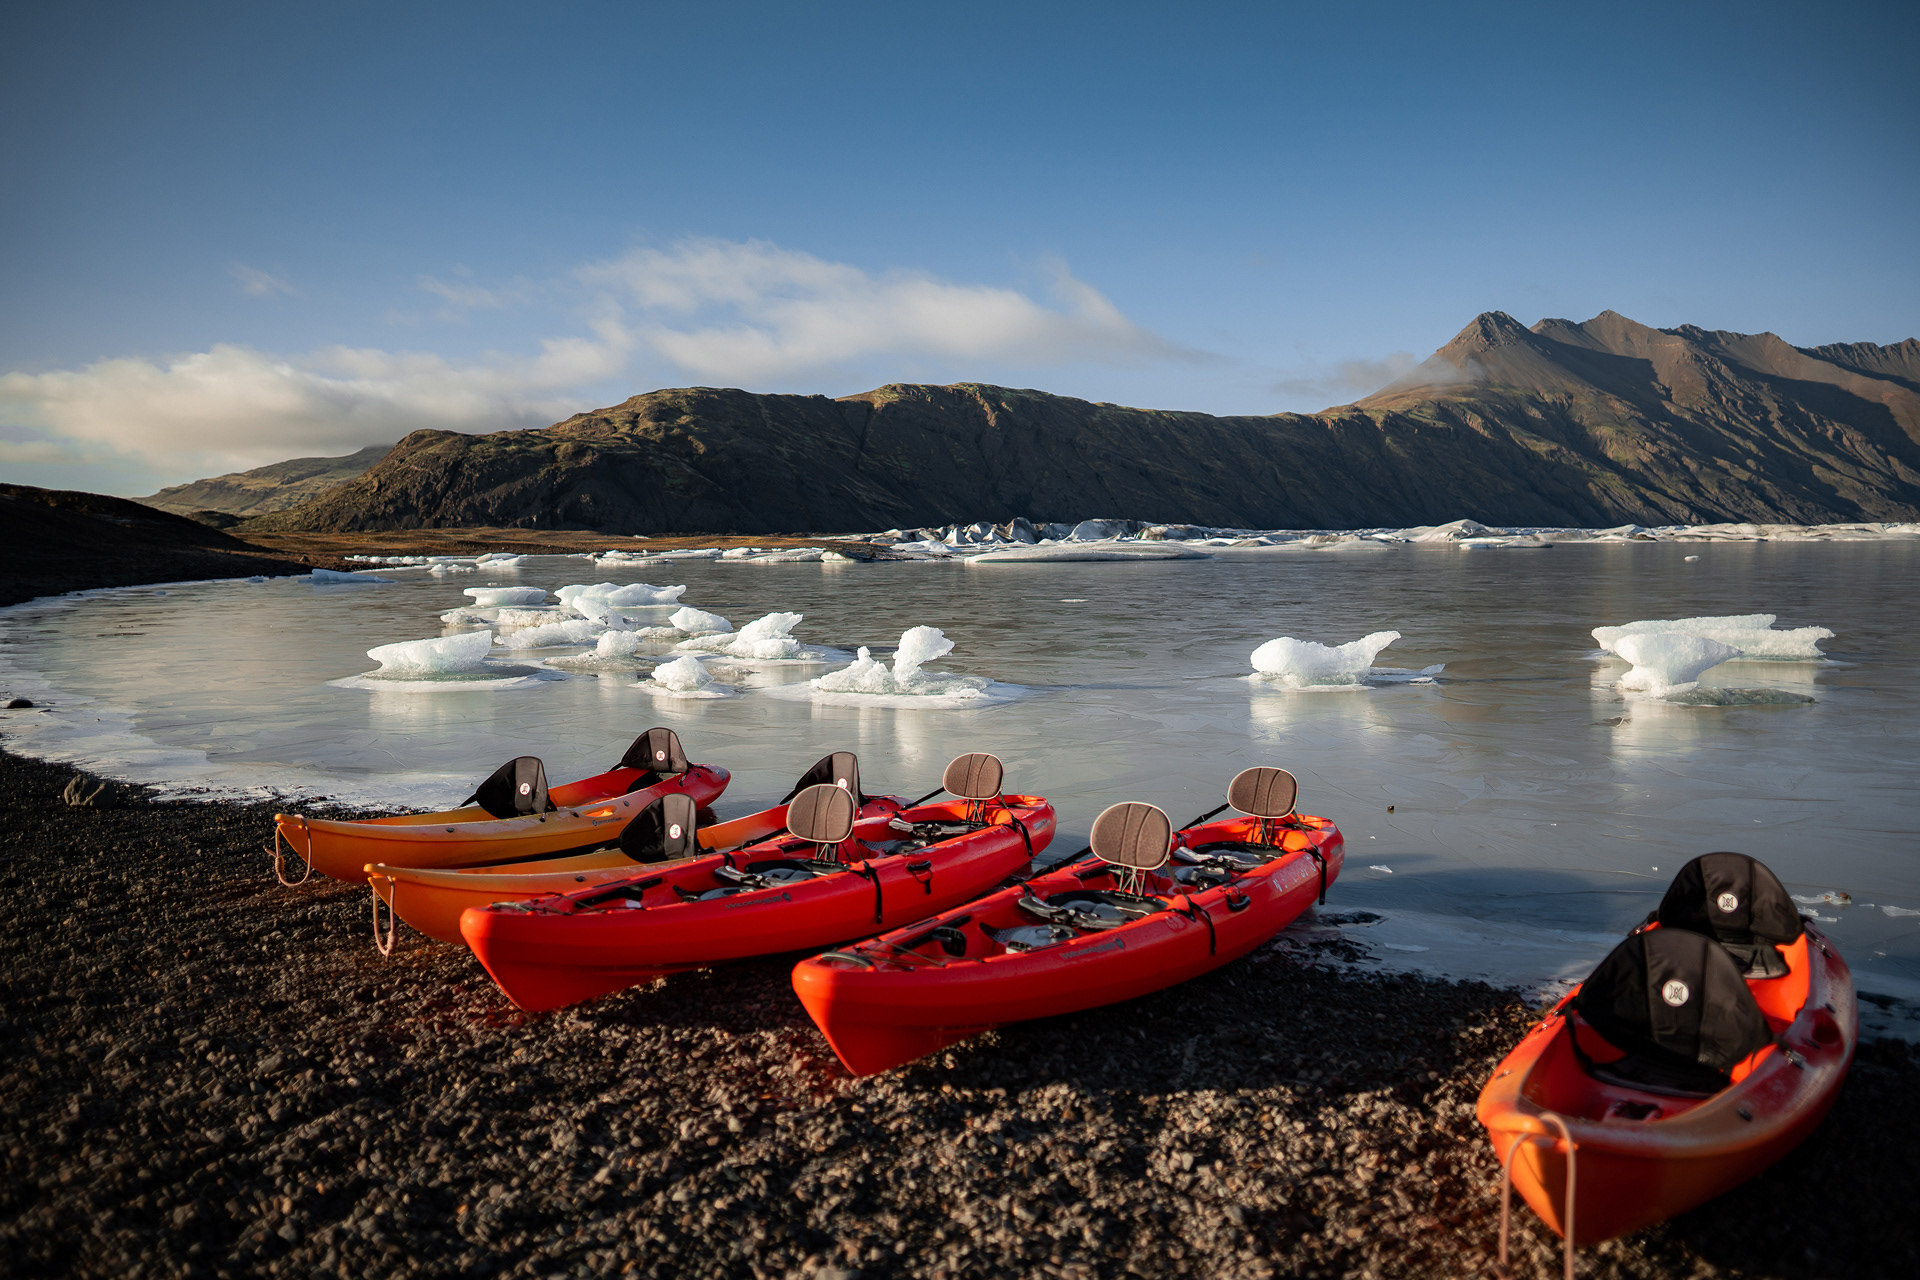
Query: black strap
{"x": 1021, "y": 827}
{"x": 1194, "y": 911}
{"x": 867, "y": 869}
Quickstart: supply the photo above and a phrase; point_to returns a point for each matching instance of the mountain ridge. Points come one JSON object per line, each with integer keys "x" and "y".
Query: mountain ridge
{"x": 1594, "y": 423}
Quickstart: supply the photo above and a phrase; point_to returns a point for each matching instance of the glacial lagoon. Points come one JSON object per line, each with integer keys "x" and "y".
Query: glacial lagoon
{"x": 1508, "y": 815}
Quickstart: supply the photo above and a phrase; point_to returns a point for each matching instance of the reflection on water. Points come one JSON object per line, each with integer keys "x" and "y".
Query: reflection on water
{"x": 1526, "y": 792}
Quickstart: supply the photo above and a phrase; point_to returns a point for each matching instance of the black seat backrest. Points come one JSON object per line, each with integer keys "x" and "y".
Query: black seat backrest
{"x": 656, "y": 751}
{"x": 1739, "y": 903}
{"x": 515, "y": 789}
{"x": 1676, "y": 1002}
{"x": 665, "y": 829}
{"x": 838, "y": 769}
{"x": 822, "y": 814}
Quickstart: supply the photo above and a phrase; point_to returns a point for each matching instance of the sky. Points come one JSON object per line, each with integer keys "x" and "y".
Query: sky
{"x": 236, "y": 233}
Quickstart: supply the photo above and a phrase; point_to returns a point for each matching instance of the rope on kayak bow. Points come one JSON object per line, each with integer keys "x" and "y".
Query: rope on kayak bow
{"x": 393, "y": 919}
{"x": 1506, "y": 1189}
{"x": 279, "y": 866}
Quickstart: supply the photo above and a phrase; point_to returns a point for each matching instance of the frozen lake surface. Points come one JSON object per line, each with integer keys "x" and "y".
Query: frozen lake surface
{"x": 1508, "y": 816}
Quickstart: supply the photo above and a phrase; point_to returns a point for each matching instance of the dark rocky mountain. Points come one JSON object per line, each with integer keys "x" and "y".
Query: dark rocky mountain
{"x": 60, "y": 540}
{"x": 1594, "y": 424}
{"x": 263, "y": 489}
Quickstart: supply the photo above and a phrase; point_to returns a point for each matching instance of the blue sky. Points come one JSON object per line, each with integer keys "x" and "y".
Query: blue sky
{"x": 234, "y": 233}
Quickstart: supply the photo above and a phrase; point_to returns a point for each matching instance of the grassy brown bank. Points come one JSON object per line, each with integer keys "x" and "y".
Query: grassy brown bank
{"x": 203, "y": 1073}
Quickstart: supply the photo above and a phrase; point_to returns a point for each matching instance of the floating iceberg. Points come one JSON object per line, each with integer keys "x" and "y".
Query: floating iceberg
{"x": 1304, "y": 664}
{"x": 334, "y": 575}
{"x": 570, "y": 631}
{"x": 500, "y": 560}
{"x": 1109, "y": 550}
{"x": 1669, "y": 662}
{"x": 869, "y": 682}
{"x": 767, "y": 639}
{"x": 489, "y": 597}
{"x": 1750, "y": 635}
{"x": 698, "y": 622}
{"x": 602, "y": 600}
{"x": 684, "y": 677}
{"x": 444, "y": 655}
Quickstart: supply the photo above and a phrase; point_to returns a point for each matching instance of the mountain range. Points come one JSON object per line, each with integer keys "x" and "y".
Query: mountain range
{"x": 1590, "y": 424}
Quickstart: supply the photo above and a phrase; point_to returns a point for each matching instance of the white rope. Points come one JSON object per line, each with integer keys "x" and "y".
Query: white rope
{"x": 279, "y": 866}
{"x": 1506, "y": 1190}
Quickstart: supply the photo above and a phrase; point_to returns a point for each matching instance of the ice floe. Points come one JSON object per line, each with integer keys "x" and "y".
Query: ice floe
{"x": 698, "y": 622}
{"x": 1668, "y": 662}
{"x": 548, "y": 634}
{"x": 443, "y": 663}
{"x": 1749, "y": 635}
{"x": 320, "y": 576}
{"x": 683, "y": 677}
{"x": 765, "y": 639}
{"x": 1307, "y": 664}
{"x": 491, "y": 597}
{"x": 1091, "y": 551}
{"x": 869, "y": 682}
{"x": 500, "y": 560}
{"x": 602, "y": 600}
{"x": 441, "y": 655}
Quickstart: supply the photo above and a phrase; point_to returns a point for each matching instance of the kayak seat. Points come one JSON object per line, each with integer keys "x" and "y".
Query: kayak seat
{"x": 823, "y": 815}
{"x": 1092, "y": 909}
{"x": 976, "y": 778}
{"x": 840, "y": 769}
{"x": 1677, "y": 1008}
{"x": 1738, "y": 902}
{"x": 516, "y": 789}
{"x": 664, "y": 830}
{"x": 657, "y": 754}
{"x": 1134, "y": 837}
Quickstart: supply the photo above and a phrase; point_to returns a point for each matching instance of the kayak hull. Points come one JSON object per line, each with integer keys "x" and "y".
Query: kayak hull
{"x": 432, "y": 900}
{"x": 587, "y": 813}
{"x": 879, "y": 1008}
{"x": 551, "y": 952}
{"x": 1629, "y": 1173}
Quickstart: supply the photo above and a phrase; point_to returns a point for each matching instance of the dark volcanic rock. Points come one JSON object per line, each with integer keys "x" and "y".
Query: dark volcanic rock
{"x": 203, "y": 1073}
{"x": 57, "y": 540}
{"x": 270, "y": 488}
{"x": 1592, "y": 424}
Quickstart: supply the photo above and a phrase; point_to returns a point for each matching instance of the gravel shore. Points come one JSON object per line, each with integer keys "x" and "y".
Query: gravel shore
{"x": 203, "y": 1073}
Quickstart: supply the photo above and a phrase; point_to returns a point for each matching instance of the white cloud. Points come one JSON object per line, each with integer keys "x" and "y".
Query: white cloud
{"x": 716, "y": 311}
{"x": 235, "y": 407}
{"x": 256, "y": 283}
{"x": 746, "y": 312}
{"x": 1345, "y": 382}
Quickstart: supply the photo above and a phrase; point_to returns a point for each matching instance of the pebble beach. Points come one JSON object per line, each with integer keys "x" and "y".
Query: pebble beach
{"x": 206, "y": 1074}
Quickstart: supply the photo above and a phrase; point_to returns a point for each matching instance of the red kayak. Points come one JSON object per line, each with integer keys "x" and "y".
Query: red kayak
{"x": 834, "y": 875}
{"x": 1152, "y": 908}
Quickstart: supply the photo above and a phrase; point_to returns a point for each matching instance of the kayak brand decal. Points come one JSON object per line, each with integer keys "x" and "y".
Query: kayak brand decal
{"x": 1727, "y": 903}
{"x": 1116, "y": 944}
{"x": 1675, "y": 992}
{"x": 756, "y": 902}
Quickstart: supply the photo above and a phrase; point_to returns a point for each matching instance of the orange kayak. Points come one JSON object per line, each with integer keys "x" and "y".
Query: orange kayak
{"x": 571, "y": 818}
{"x": 432, "y": 900}
{"x": 1622, "y": 1128}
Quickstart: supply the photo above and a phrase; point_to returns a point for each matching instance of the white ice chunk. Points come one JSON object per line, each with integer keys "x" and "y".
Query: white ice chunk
{"x": 1074, "y": 551}
{"x": 618, "y": 644}
{"x": 1666, "y": 662}
{"x": 685, "y": 674}
{"x": 766, "y": 638}
{"x": 570, "y": 631}
{"x": 500, "y": 560}
{"x": 698, "y": 622}
{"x": 442, "y": 655}
{"x": 1750, "y": 635}
{"x": 334, "y": 575}
{"x": 1300, "y": 664}
{"x": 489, "y": 597}
{"x": 918, "y": 645}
